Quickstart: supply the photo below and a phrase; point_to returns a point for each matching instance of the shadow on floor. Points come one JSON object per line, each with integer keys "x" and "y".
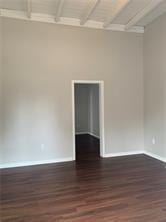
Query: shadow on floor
{"x": 87, "y": 147}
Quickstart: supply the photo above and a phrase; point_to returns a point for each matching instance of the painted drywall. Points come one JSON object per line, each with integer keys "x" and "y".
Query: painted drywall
{"x": 39, "y": 63}
{"x": 87, "y": 109}
{"x": 1, "y": 128}
{"x": 155, "y": 86}
{"x": 82, "y": 107}
{"x": 94, "y": 120}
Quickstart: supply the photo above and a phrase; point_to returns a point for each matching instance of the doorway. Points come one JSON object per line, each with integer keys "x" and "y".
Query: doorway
{"x": 88, "y": 119}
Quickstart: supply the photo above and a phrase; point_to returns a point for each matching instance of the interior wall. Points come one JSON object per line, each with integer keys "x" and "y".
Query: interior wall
{"x": 87, "y": 109}
{"x": 82, "y": 107}
{"x": 39, "y": 63}
{"x": 94, "y": 121}
{"x": 155, "y": 86}
{"x": 1, "y": 90}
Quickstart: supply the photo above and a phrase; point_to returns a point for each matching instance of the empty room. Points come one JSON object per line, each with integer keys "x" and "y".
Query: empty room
{"x": 83, "y": 110}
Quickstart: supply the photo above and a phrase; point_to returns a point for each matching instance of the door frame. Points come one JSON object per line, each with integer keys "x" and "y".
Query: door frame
{"x": 101, "y": 113}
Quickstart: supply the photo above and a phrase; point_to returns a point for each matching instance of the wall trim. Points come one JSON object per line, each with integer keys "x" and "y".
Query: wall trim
{"x": 68, "y": 159}
{"x": 81, "y": 133}
{"x": 89, "y": 133}
{"x": 32, "y": 163}
{"x": 101, "y": 102}
{"x": 94, "y": 135}
{"x": 107, "y": 155}
{"x": 152, "y": 155}
{"x": 155, "y": 156}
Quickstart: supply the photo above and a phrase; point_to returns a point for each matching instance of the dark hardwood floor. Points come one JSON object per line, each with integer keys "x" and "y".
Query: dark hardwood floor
{"x": 87, "y": 147}
{"x": 122, "y": 189}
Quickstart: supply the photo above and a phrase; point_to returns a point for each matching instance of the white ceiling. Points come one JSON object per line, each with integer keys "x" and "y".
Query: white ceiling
{"x": 123, "y": 15}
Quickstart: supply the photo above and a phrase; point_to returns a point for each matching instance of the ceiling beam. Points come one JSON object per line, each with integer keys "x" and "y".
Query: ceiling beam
{"x": 59, "y": 10}
{"x": 39, "y": 17}
{"x": 152, "y": 5}
{"x": 88, "y": 12}
{"x": 29, "y": 8}
{"x": 118, "y": 7}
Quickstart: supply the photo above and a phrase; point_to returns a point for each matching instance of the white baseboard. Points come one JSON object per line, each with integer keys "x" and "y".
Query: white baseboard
{"x": 123, "y": 154}
{"x": 96, "y": 136}
{"x": 162, "y": 159}
{"x": 32, "y": 163}
{"x": 89, "y": 133}
{"x": 82, "y": 133}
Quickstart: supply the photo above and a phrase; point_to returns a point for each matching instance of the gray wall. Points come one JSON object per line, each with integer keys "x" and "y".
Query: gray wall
{"x": 0, "y": 60}
{"x": 155, "y": 86}
{"x": 87, "y": 109}
{"x": 40, "y": 61}
{"x": 94, "y": 120}
{"x": 82, "y": 108}
{"x": 1, "y": 91}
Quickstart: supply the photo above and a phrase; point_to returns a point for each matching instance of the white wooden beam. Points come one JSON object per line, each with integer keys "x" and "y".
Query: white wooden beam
{"x": 90, "y": 9}
{"x": 38, "y": 17}
{"x": 152, "y": 5}
{"x": 118, "y": 7}
{"x": 29, "y": 8}
{"x": 59, "y": 10}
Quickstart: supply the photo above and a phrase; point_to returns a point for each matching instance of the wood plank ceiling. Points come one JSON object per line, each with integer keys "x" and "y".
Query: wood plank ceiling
{"x": 121, "y": 15}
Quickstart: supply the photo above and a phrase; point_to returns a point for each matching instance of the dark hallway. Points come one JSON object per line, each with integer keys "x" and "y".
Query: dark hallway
{"x": 87, "y": 147}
